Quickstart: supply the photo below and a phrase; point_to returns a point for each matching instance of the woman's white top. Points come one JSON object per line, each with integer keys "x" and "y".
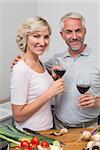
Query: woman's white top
{"x": 26, "y": 85}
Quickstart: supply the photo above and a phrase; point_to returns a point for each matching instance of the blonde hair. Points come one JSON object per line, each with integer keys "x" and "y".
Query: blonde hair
{"x": 73, "y": 15}
{"x": 28, "y": 27}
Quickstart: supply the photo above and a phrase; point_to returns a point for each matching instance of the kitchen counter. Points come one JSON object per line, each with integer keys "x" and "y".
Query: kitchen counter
{"x": 4, "y": 100}
{"x": 70, "y": 139}
{"x": 5, "y": 112}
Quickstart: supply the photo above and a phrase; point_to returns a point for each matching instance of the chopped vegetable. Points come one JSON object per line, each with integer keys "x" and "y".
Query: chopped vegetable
{"x": 85, "y": 135}
{"x": 45, "y": 144}
{"x": 17, "y": 148}
{"x": 57, "y": 143}
{"x": 35, "y": 141}
{"x": 89, "y": 144}
{"x": 41, "y": 137}
{"x": 27, "y": 141}
{"x": 95, "y": 137}
{"x": 60, "y": 132}
{"x": 9, "y": 140}
{"x": 25, "y": 144}
{"x": 92, "y": 145}
{"x": 14, "y": 135}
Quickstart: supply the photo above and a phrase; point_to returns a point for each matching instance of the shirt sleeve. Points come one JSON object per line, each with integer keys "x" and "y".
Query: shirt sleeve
{"x": 19, "y": 82}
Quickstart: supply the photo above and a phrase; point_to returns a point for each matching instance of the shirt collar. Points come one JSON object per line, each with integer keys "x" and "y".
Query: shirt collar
{"x": 85, "y": 52}
{"x": 67, "y": 54}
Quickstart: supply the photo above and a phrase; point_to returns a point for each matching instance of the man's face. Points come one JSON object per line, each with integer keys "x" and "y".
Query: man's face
{"x": 73, "y": 33}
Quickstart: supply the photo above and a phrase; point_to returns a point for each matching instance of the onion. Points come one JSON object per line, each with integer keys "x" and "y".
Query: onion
{"x": 96, "y": 137}
{"x": 85, "y": 135}
{"x": 60, "y": 132}
{"x": 89, "y": 144}
{"x": 96, "y": 146}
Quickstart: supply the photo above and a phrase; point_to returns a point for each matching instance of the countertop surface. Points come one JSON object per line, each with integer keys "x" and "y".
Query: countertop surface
{"x": 5, "y": 111}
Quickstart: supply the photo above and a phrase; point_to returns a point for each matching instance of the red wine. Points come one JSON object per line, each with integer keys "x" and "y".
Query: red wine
{"x": 59, "y": 73}
{"x": 83, "y": 88}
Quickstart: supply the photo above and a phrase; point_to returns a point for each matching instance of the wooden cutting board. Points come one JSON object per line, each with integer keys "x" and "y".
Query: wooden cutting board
{"x": 69, "y": 139}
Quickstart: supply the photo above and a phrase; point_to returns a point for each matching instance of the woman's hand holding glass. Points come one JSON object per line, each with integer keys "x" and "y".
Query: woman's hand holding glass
{"x": 56, "y": 88}
{"x": 58, "y": 69}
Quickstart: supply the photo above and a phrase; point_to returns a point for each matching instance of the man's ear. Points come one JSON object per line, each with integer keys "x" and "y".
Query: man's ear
{"x": 85, "y": 30}
{"x": 61, "y": 33}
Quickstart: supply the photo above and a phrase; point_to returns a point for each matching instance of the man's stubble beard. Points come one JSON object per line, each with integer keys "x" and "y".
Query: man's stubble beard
{"x": 75, "y": 48}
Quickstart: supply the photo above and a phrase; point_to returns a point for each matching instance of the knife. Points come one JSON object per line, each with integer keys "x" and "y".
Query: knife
{"x": 34, "y": 133}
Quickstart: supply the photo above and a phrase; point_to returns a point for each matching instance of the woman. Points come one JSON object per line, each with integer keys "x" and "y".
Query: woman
{"x": 31, "y": 86}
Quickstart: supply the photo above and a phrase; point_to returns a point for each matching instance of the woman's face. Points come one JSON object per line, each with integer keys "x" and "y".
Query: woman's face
{"x": 38, "y": 42}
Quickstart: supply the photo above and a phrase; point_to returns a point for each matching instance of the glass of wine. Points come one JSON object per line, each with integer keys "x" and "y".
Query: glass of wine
{"x": 83, "y": 83}
{"x": 60, "y": 68}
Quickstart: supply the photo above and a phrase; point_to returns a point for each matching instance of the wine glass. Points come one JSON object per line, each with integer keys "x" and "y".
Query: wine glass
{"x": 83, "y": 83}
{"x": 59, "y": 67}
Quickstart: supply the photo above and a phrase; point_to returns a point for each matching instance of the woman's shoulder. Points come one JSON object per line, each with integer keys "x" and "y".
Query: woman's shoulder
{"x": 20, "y": 67}
{"x": 20, "y": 72}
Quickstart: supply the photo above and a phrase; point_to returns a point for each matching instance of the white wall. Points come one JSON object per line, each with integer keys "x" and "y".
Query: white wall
{"x": 11, "y": 16}
{"x": 13, "y": 13}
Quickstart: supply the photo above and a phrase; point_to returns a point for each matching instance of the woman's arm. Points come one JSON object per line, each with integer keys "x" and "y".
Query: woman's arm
{"x": 23, "y": 112}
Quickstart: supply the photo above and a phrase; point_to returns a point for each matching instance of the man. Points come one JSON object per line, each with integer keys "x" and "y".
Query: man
{"x": 71, "y": 108}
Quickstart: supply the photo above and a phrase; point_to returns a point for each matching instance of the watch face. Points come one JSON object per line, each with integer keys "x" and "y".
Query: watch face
{"x": 3, "y": 144}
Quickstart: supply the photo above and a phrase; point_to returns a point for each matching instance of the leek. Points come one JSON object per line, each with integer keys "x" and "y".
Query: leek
{"x": 9, "y": 139}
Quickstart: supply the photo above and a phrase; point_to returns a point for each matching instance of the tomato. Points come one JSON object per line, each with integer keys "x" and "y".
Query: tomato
{"x": 34, "y": 147}
{"x": 35, "y": 141}
{"x": 17, "y": 148}
{"x": 26, "y": 148}
{"x": 45, "y": 144}
{"x": 25, "y": 143}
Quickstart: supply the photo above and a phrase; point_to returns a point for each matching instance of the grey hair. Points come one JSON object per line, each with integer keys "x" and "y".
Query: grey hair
{"x": 28, "y": 27}
{"x": 73, "y": 15}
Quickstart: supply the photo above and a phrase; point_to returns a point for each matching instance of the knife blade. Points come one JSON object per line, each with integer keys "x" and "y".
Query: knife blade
{"x": 35, "y": 133}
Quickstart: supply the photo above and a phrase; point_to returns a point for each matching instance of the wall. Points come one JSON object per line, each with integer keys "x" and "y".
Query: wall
{"x": 13, "y": 13}
{"x": 11, "y": 16}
